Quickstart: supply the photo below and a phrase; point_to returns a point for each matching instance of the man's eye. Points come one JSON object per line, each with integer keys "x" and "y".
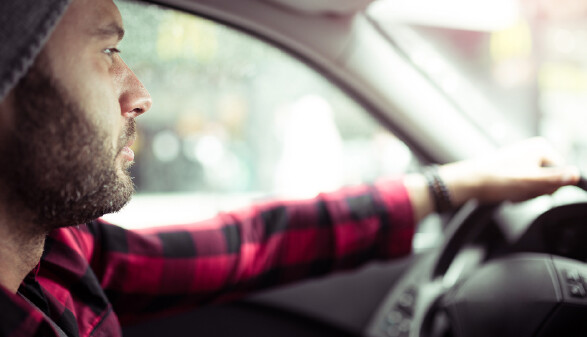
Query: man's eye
{"x": 111, "y": 51}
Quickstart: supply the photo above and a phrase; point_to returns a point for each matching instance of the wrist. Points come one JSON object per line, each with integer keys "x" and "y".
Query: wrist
{"x": 438, "y": 189}
{"x": 461, "y": 183}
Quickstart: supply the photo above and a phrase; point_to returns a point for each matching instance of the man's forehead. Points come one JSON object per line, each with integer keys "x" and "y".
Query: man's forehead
{"x": 83, "y": 27}
{"x": 98, "y": 16}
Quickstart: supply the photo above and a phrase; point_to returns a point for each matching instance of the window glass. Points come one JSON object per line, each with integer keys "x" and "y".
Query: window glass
{"x": 234, "y": 119}
{"x": 528, "y": 58}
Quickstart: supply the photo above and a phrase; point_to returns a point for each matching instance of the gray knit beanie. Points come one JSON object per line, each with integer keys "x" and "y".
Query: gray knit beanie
{"x": 25, "y": 26}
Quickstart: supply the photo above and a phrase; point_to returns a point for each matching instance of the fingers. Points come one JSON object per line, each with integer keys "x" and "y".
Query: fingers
{"x": 540, "y": 182}
{"x": 559, "y": 176}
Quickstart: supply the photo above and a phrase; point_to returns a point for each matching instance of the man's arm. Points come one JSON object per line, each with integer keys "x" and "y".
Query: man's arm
{"x": 282, "y": 241}
{"x": 151, "y": 271}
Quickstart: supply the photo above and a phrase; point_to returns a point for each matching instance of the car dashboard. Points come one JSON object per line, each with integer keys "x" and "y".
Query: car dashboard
{"x": 548, "y": 230}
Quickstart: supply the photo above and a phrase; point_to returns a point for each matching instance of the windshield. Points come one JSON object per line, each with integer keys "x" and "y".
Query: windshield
{"x": 515, "y": 68}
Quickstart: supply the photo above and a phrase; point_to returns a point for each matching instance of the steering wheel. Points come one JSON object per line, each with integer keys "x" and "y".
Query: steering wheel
{"x": 457, "y": 292}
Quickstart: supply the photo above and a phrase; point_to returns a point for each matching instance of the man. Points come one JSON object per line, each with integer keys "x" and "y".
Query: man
{"x": 68, "y": 105}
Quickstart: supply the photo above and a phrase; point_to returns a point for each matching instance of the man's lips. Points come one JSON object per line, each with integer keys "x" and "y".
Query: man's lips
{"x": 128, "y": 153}
{"x": 126, "y": 150}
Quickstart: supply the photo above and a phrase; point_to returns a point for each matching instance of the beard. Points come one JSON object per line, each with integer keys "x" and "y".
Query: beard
{"x": 57, "y": 162}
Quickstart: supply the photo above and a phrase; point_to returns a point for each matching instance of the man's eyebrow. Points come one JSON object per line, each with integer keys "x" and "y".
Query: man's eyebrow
{"x": 110, "y": 30}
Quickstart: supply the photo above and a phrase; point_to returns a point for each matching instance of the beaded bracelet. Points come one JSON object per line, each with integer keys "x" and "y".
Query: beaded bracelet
{"x": 438, "y": 190}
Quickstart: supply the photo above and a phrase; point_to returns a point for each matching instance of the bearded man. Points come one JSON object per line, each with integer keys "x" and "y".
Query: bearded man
{"x": 68, "y": 104}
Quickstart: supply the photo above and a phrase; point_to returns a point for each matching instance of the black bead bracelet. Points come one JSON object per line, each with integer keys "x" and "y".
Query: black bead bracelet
{"x": 438, "y": 190}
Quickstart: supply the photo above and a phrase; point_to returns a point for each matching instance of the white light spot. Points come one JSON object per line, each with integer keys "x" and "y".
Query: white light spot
{"x": 209, "y": 150}
{"x": 165, "y": 146}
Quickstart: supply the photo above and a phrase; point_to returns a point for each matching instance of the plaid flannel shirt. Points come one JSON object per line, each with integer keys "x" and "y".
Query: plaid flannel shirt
{"x": 93, "y": 277}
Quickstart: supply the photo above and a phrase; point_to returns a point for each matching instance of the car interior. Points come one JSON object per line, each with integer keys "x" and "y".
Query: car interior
{"x": 255, "y": 99}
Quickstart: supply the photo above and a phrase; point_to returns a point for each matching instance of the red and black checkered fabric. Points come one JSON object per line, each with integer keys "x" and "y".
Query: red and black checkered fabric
{"x": 94, "y": 276}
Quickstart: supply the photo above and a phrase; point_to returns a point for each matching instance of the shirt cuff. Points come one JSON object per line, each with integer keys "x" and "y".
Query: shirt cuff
{"x": 398, "y": 232}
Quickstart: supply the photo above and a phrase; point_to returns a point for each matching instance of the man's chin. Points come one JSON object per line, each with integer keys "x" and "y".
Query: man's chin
{"x": 81, "y": 216}
{"x": 123, "y": 163}
{"x": 112, "y": 195}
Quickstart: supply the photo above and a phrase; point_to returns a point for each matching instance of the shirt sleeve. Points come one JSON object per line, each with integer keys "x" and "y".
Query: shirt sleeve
{"x": 153, "y": 270}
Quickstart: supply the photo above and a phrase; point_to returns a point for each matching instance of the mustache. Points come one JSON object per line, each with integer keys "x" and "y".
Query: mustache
{"x": 129, "y": 133}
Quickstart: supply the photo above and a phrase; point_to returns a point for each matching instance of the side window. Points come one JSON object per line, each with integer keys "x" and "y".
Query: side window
{"x": 235, "y": 119}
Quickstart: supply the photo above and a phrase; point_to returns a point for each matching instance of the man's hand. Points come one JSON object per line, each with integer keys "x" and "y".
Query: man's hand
{"x": 516, "y": 173}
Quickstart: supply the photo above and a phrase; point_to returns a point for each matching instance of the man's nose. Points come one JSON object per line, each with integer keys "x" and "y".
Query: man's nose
{"x": 134, "y": 97}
